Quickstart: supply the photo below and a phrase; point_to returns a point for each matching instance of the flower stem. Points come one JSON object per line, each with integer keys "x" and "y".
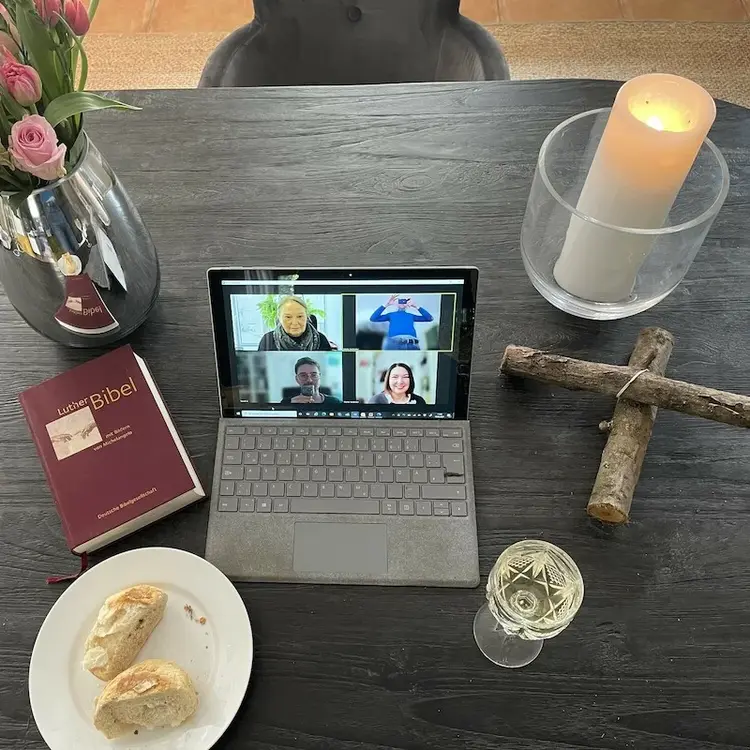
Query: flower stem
{"x": 93, "y": 5}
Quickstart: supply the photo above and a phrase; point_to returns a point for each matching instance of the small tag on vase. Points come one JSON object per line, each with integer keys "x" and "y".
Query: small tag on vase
{"x": 97, "y": 269}
{"x": 109, "y": 255}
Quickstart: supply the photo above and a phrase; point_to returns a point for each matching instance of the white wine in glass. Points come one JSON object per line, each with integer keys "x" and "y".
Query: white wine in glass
{"x": 533, "y": 592}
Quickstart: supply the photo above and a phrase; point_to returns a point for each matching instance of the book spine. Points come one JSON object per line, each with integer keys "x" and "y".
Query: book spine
{"x": 47, "y": 470}
{"x": 167, "y": 417}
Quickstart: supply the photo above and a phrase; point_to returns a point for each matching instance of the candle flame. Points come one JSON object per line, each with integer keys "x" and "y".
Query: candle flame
{"x": 655, "y": 123}
{"x": 662, "y": 116}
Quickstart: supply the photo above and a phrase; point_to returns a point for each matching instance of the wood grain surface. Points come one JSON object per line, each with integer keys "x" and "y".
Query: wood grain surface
{"x": 659, "y": 655}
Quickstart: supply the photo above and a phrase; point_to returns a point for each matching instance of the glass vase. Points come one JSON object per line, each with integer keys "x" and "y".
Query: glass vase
{"x": 76, "y": 261}
{"x": 635, "y": 267}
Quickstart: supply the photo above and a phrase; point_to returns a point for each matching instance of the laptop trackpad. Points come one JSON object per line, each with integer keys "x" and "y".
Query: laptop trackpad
{"x": 344, "y": 548}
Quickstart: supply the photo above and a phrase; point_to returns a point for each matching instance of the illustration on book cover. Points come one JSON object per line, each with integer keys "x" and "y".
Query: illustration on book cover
{"x": 74, "y": 433}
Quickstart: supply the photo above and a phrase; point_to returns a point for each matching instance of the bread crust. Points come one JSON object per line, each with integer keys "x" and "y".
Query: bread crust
{"x": 141, "y": 684}
{"x": 124, "y": 624}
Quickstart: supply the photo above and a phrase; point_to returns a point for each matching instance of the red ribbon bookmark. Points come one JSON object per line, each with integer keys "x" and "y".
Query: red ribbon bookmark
{"x": 73, "y": 577}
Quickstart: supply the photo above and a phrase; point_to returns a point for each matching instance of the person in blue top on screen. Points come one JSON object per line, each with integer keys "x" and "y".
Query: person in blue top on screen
{"x": 401, "y": 331}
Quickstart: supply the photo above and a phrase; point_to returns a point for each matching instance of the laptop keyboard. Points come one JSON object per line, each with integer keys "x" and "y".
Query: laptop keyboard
{"x": 358, "y": 470}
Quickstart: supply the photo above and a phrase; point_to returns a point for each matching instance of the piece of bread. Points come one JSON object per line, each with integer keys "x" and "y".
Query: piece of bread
{"x": 122, "y": 627}
{"x": 151, "y": 694}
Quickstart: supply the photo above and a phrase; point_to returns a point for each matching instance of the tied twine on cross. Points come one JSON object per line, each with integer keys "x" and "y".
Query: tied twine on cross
{"x": 627, "y": 385}
{"x": 640, "y": 388}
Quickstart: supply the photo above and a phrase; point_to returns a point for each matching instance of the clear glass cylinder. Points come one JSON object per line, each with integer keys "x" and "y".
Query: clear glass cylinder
{"x": 610, "y": 271}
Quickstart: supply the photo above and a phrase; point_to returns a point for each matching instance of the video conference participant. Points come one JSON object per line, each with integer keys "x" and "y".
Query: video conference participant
{"x": 402, "y": 335}
{"x": 294, "y": 331}
{"x": 398, "y": 387}
{"x": 307, "y": 375}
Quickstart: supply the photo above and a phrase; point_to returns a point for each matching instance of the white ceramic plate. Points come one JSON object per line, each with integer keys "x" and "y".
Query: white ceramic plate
{"x": 217, "y": 655}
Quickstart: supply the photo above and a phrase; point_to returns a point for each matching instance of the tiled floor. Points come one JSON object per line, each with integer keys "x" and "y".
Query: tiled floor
{"x": 133, "y": 16}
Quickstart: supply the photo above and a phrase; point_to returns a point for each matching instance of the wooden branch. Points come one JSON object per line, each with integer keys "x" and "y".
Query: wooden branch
{"x": 656, "y": 390}
{"x": 629, "y": 433}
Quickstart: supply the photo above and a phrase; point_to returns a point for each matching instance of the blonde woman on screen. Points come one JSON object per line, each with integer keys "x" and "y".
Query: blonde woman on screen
{"x": 294, "y": 331}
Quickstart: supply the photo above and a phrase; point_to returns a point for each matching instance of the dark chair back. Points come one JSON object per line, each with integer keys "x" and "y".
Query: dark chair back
{"x": 306, "y": 42}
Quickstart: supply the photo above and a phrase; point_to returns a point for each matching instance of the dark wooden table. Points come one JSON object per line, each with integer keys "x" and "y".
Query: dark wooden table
{"x": 659, "y": 655}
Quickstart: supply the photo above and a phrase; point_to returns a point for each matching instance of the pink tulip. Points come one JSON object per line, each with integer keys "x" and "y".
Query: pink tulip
{"x": 11, "y": 26}
{"x": 49, "y": 10}
{"x": 22, "y": 82}
{"x": 7, "y": 43}
{"x": 34, "y": 148}
{"x": 77, "y": 16}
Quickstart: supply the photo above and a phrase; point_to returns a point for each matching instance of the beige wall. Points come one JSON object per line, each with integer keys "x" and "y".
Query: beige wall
{"x": 133, "y": 16}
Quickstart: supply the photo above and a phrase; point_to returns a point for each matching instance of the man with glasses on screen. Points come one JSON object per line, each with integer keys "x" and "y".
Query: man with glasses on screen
{"x": 307, "y": 375}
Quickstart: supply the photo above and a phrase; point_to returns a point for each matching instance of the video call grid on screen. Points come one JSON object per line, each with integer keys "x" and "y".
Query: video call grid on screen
{"x": 359, "y": 338}
{"x": 350, "y": 320}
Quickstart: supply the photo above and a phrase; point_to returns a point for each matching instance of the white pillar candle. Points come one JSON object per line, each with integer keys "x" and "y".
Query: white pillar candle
{"x": 653, "y": 135}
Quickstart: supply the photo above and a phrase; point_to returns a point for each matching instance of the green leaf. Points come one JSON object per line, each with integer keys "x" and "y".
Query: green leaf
{"x": 74, "y": 57}
{"x": 84, "y": 65}
{"x": 38, "y": 44}
{"x": 67, "y": 105}
{"x": 5, "y": 125}
{"x": 12, "y": 107}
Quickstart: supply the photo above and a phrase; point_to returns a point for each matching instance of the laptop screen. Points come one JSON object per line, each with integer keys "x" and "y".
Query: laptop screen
{"x": 312, "y": 343}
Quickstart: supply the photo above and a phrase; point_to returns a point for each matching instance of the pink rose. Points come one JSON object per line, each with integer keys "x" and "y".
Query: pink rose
{"x": 11, "y": 26}
{"x": 7, "y": 43}
{"x": 34, "y": 148}
{"x": 77, "y": 16}
{"x": 21, "y": 81}
{"x": 49, "y": 10}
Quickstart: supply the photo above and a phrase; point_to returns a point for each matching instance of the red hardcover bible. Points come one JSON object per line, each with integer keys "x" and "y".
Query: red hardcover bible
{"x": 112, "y": 455}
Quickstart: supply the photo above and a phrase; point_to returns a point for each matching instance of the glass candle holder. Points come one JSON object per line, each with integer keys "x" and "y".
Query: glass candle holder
{"x": 628, "y": 269}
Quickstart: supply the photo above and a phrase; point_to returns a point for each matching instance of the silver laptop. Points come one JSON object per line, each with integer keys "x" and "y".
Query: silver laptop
{"x": 344, "y": 451}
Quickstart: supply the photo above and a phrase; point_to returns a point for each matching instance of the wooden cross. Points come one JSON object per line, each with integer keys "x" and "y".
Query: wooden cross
{"x": 640, "y": 388}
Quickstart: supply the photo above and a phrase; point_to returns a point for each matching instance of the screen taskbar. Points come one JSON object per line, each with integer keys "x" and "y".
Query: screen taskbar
{"x": 307, "y": 413}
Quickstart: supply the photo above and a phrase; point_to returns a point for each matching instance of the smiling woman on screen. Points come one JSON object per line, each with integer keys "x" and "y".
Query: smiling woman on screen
{"x": 294, "y": 331}
{"x": 398, "y": 387}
